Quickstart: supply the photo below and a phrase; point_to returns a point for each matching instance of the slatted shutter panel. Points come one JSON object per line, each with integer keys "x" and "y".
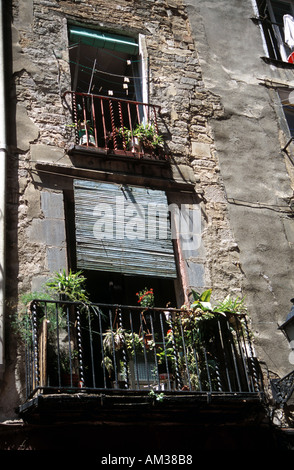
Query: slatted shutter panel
{"x": 123, "y": 229}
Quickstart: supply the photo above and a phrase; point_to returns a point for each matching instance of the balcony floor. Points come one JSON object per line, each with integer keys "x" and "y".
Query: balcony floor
{"x": 133, "y": 406}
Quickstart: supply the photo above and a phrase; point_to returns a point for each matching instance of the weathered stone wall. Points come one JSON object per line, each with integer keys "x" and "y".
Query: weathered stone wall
{"x": 41, "y": 76}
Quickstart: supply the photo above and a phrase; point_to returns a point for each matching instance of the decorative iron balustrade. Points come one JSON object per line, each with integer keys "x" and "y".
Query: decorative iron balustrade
{"x": 117, "y": 126}
{"x": 70, "y": 346}
{"x": 283, "y": 388}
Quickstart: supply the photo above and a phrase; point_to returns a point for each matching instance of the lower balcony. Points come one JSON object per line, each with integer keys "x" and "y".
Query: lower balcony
{"x": 96, "y": 360}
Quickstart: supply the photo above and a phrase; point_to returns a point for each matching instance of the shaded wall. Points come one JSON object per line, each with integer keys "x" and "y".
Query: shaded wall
{"x": 248, "y": 143}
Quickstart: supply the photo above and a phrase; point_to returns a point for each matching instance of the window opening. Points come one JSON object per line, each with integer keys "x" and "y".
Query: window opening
{"x": 121, "y": 289}
{"x": 122, "y": 228}
{"x": 106, "y": 65}
{"x": 272, "y": 14}
{"x": 102, "y": 63}
{"x": 287, "y": 101}
{"x": 114, "y": 289}
{"x": 277, "y": 10}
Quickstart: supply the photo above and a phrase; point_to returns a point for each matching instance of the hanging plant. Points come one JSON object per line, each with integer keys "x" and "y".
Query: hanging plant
{"x": 113, "y": 338}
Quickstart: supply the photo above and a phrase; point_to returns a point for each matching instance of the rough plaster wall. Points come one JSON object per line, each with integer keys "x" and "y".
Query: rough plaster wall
{"x": 257, "y": 185}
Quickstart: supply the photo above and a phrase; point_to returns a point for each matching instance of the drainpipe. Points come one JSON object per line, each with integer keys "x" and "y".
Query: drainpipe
{"x": 2, "y": 190}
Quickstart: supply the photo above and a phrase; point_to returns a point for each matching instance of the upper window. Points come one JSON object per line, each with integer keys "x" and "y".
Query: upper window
{"x": 277, "y": 19}
{"x": 105, "y": 64}
{"x": 109, "y": 94}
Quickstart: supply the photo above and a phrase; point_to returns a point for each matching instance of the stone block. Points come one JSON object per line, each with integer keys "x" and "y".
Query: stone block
{"x": 200, "y": 149}
{"x": 289, "y": 230}
{"x": 196, "y": 274}
{"x": 56, "y": 259}
{"x": 48, "y": 154}
{"x": 50, "y": 232}
{"x": 183, "y": 173}
{"x": 38, "y": 283}
{"x": 52, "y": 205}
{"x": 32, "y": 196}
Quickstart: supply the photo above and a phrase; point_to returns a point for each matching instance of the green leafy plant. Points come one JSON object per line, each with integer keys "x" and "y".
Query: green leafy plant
{"x": 146, "y": 135}
{"x": 229, "y": 305}
{"x": 81, "y": 125}
{"x": 201, "y": 301}
{"x": 159, "y": 397}
{"x": 21, "y": 321}
{"x": 134, "y": 343}
{"x": 195, "y": 325}
{"x": 113, "y": 339}
{"x": 70, "y": 285}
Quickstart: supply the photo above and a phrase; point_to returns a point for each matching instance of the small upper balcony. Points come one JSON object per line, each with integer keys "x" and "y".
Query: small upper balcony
{"x": 85, "y": 359}
{"x": 115, "y": 127}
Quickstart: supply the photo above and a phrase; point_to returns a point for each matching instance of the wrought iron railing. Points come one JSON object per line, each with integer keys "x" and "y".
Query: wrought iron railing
{"x": 70, "y": 346}
{"x": 283, "y": 388}
{"x": 117, "y": 126}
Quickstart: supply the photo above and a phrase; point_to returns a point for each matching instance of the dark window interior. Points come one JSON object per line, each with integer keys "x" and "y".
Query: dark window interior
{"x": 289, "y": 114}
{"x": 104, "y": 71}
{"x": 273, "y": 25}
{"x": 115, "y": 288}
{"x": 287, "y": 102}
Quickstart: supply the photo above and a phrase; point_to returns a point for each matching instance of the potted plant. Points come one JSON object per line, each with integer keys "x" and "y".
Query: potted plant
{"x": 113, "y": 338}
{"x": 69, "y": 286}
{"x": 146, "y": 300}
{"x": 196, "y": 325}
{"x": 143, "y": 137}
{"x": 68, "y": 367}
{"x": 113, "y": 344}
{"x": 149, "y": 137}
{"x": 131, "y": 141}
{"x": 146, "y": 297}
{"x": 85, "y": 132}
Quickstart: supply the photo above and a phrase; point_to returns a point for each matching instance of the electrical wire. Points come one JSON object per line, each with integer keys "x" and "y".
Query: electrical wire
{"x": 139, "y": 77}
{"x": 259, "y": 205}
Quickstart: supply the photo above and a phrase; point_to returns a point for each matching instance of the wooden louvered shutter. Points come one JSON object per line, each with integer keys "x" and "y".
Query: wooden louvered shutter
{"x": 123, "y": 229}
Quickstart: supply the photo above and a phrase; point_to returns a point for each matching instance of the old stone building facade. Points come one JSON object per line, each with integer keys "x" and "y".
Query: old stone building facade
{"x": 224, "y": 127}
